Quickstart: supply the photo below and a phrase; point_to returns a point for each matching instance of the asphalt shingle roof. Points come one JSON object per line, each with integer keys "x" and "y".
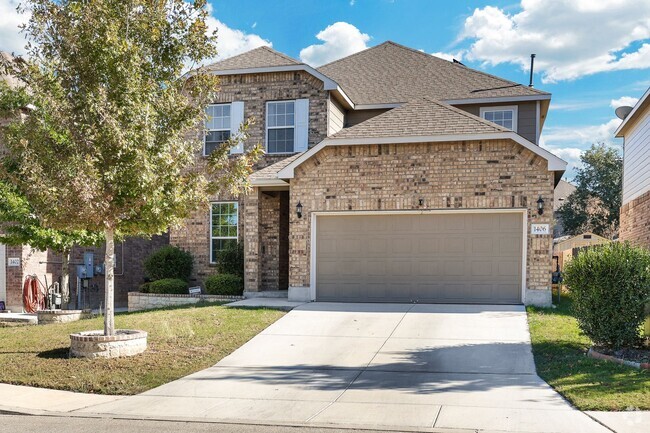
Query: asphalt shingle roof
{"x": 272, "y": 170}
{"x": 258, "y": 58}
{"x": 393, "y": 73}
{"x": 421, "y": 117}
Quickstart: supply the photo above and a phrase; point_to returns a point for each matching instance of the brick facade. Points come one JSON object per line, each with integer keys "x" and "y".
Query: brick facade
{"x": 255, "y": 90}
{"x": 468, "y": 175}
{"x": 635, "y": 221}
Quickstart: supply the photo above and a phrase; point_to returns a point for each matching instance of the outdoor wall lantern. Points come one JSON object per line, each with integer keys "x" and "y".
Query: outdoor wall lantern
{"x": 421, "y": 202}
{"x": 540, "y": 205}
{"x": 299, "y": 210}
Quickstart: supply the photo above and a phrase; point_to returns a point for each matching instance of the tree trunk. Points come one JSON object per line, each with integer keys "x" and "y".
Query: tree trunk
{"x": 109, "y": 314}
{"x": 65, "y": 277}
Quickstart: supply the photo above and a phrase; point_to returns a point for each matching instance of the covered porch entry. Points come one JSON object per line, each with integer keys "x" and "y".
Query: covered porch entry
{"x": 266, "y": 242}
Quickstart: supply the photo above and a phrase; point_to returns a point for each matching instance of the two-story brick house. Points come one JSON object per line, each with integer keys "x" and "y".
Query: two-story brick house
{"x": 389, "y": 175}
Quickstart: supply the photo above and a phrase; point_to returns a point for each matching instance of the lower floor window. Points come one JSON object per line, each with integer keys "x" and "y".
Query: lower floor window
{"x": 224, "y": 222}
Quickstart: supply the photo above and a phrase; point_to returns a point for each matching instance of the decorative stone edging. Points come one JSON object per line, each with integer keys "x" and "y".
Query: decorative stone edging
{"x": 58, "y": 316}
{"x": 94, "y": 344}
{"x": 597, "y": 355}
{"x": 147, "y": 301}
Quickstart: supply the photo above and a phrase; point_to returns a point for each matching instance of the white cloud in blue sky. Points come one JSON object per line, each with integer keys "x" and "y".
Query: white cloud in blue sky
{"x": 339, "y": 40}
{"x": 572, "y": 38}
{"x": 12, "y": 41}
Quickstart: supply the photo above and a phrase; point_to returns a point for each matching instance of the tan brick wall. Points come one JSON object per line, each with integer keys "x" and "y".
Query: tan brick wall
{"x": 255, "y": 90}
{"x": 476, "y": 174}
{"x": 635, "y": 221}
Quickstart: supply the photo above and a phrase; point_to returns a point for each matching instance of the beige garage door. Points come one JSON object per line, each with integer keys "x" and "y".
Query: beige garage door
{"x": 454, "y": 257}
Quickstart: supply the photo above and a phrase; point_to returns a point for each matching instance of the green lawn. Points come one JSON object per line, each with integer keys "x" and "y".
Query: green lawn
{"x": 560, "y": 347}
{"x": 181, "y": 341}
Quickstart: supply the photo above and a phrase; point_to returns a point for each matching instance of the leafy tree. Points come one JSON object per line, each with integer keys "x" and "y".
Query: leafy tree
{"x": 594, "y": 205}
{"x": 110, "y": 143}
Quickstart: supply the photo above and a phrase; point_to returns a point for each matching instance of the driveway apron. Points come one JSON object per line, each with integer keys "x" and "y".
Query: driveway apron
{"x": 426, "y": 367}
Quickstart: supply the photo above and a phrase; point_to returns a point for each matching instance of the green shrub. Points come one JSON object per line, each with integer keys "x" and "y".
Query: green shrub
{"x": 610, "y": 285}
{"x": 230, "y": 260}
{"x": 144, "y": 287}
{"x": 224, "y": 284}
{"x": 168, "y": 286}
{"x": 168, "y": 262}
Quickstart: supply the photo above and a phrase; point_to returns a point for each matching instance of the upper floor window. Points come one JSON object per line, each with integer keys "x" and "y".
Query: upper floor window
{"x": 222, "y": 121}
{"x": 217, "y": 126}
{"x": 280, "y": 126}
{"x": 504, "y": 116}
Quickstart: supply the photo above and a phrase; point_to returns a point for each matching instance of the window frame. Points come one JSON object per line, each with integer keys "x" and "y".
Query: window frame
{"x": 212, "y": 237}
{"x": 495, "y": 108}
{"x": 205, "y": 136}
{"x": 267, "y": 127}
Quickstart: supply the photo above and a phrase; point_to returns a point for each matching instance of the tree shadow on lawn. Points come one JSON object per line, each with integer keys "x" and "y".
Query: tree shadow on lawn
{"x": 58, "y": 353}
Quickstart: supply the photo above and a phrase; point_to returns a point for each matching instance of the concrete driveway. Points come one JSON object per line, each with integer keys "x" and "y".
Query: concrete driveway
{"x": 375, "y": 365}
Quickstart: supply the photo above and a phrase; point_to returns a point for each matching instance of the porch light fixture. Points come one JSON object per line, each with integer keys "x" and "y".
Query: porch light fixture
{"x": 299, "y": 210}
{"x": 540, "y": 205}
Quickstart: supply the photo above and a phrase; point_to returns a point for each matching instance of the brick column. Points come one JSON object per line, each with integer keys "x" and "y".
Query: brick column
{"x": 252, "y": 241}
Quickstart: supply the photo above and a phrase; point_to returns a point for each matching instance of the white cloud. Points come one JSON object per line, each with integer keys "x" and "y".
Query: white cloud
{"x": 231, "y": 42}
{"x": 449, "y": 56}
{"x": 554, "y": 136}
{"x": 568, "y": 142}
{"x": 11, "y": 40}
{"x": 339, "y": 40}
{"x": 572, "y": 38}
{"x": 628, "y": 101}
{"x": 254, "y": 25}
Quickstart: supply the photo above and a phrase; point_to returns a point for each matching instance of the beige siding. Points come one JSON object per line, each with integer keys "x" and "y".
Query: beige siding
{"x": 526, "y": 118}
{"x": 636, "y": 175}
{"x": 335, "y": 117}
{"x": 357, "y": 116}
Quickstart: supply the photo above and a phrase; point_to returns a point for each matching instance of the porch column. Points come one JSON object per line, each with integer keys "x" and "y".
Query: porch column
{"x": 252, "y": 241}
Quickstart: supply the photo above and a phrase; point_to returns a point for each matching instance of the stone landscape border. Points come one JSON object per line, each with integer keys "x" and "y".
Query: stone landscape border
{"x": 94, "y": 344}
{"x": 58, "y": 316}
{"x": 147, "y": 301}
{"x": 597, "y": 355}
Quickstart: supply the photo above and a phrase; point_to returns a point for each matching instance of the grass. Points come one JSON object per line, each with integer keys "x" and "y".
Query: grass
{"x": 560, "y": 350}
{"x": 181, "y": 341}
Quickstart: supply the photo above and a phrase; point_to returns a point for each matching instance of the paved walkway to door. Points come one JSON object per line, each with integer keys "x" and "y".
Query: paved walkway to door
{"x": 375, "y": 365}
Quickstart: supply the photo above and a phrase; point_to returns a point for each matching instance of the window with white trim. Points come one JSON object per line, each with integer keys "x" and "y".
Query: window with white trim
{"x": 217, "y": 126}
{"x": 224, "y": 226}
{"x": 280, "y": 126}
{"x": 504, "y": 116}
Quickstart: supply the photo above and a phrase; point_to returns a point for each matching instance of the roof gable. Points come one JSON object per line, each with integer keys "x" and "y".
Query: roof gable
{"x": 258, "y": 58}
{"x": 393, "y": 73}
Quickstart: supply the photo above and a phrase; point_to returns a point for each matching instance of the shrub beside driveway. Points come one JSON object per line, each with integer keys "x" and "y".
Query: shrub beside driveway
{"x": 181, "y": 341}
{"x": 560, "y": 351}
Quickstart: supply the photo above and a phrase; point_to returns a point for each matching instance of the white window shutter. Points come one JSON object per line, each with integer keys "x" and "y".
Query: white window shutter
{"x": 236, "y": 119}
{"x": 301, "y": 131}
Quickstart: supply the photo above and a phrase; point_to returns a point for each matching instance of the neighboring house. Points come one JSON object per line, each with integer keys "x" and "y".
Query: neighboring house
{"x": 18, "y": 262}
{"x": 389, "y": 175}
{"x": 562, "y": 191}
{"x": 566, "y": 248}
{"x": 635, "y": 211}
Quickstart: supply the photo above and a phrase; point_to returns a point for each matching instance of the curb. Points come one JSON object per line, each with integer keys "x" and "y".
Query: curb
{"x": 597, "y": 355}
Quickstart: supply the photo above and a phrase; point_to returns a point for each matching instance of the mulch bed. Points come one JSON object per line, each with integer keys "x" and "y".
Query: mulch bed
{"x": 629, "y": 356}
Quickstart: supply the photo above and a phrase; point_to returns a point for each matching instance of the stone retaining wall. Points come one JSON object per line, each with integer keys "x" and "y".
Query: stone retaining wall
{"x": 148, "y": 301}
{"x": 58, "y": 316}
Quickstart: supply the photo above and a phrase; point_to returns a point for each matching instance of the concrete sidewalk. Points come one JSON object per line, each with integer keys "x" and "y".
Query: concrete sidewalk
{"x": 385, "y": 366}
{"x": 27, "y": 399}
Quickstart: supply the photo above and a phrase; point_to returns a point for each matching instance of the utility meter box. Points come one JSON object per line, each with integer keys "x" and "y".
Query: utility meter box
{"x": 89, "y": 263}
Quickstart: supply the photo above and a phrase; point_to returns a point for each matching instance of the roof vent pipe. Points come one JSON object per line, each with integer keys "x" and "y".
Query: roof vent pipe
{"x": 532, "y": 64}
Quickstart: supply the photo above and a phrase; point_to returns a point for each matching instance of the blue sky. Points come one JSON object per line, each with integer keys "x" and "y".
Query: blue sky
{"x": 589, "y": 52}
